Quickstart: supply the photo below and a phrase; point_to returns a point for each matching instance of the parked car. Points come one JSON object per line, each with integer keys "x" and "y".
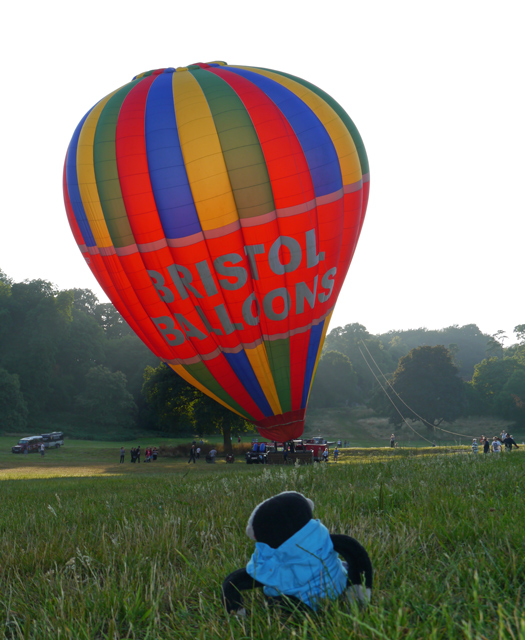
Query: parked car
{"x": 53, "y": 440}
{"x": 29, "y": 443}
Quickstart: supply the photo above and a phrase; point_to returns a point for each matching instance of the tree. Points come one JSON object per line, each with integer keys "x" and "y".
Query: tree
{"x": 13, "y": 408}
{"x": 335, "y": 381}
{"x": 428, "y": 382}
{"x": 510, "y": 402}
{"x": 5, "y": 284}
{"x": 179, "y": 406}
{"x": 85, "y": 300}
{"x": 131, "y": 356}
{"x": 490, "y": 376}
{"x": 212, "y": 417}
{"x": 81, "y": 349}
{"x": 354, "y": 341}
{"x": 519, "y": 330}
{"x": 495, "y": 346}
{"x": 37, "y": 320}
{"x": 170, "y": 399}
{"x": 105, "y": 398}
{"x": 470, "y": 341}
{"x": 111, "y": 321}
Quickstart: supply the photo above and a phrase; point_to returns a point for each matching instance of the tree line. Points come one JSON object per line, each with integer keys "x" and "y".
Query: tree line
{"x": 420, "y": 373}
{"x": 71, "y": 363}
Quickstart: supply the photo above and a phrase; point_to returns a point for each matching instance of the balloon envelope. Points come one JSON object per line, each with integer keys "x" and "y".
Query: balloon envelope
{"x": 219, "y": 208}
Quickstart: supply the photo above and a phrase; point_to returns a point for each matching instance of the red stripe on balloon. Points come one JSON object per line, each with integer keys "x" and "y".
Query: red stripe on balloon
{"x": 299, "y": 348}
{"x": 132, "y": 164}
{"x": 98, "y": 268}
{"x": 287, "y": 426}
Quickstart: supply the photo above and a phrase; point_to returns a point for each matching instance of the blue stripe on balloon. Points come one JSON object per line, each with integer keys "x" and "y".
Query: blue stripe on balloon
{"x": 316, "y": 334}
{"x": 243, "y": 370}
{"x": 73, "y": 188}
{"x": 317, "y": 145}
{"x": 168, "y": 176}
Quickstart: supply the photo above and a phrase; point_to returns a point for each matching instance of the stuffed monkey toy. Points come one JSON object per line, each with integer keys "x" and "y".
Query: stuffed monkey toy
{"x": 295, "y": 556}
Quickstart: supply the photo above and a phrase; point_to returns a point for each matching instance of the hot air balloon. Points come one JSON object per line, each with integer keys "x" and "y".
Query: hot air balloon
{"x": 219, "y": 208}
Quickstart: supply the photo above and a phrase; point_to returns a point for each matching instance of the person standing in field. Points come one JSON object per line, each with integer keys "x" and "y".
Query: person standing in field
{"x": 508, "y": 442}
{"x": 198, "y": 453}
{"x": 122, "y": 454}
{"x": 213, "y": 454}
{"x": 486, "y": 446}
{"x": 137, "y": 454}
{"x": 496, "y": 445}
{"x": 474, "y": 446}
{"x": 392, "y": 440}
{"x": 42, "y": 449}
{"x": 192, "y": 454}
{"x": 154, "y": 453}
{"x": 325, "y": 454}
{"x": 336, "y": 454}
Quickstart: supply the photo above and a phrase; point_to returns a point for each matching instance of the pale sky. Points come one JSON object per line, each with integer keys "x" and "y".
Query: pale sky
{"x": 435, "y": 88}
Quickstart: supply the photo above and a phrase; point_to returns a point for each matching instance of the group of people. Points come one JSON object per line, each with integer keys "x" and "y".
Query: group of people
{"x": 150, "y": 454}
{"x": 326, "y": 454}
{"x": 195, "y": 453}
{"x": 495, "y": 445}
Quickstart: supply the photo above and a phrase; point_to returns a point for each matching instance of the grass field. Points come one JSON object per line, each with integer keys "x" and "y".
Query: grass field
{"x": 93, "y": 549}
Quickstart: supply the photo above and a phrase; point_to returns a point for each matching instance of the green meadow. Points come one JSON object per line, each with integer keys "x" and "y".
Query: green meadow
{"x": 94, "y": 549}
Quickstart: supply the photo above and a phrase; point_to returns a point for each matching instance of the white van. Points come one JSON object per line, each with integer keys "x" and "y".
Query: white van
{"x": 53, "y": 440}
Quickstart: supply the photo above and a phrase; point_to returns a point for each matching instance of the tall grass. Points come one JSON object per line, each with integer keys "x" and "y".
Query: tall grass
{"x": 144, "y": 555}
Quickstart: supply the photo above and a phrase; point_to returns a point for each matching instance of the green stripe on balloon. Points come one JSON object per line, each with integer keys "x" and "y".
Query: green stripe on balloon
{"x": 106, "y": 172}
{"x": 279, "y": 359}
{"x": 240, "y": 145}
{"x": 202, "y": 374}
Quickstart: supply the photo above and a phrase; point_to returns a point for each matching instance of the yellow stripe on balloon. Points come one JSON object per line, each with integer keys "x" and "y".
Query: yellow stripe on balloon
{"x": 191, "y": 380}
{"x": 202, "y": 152}
{"x": 321, "y": 343}
{"x": 86, "y": 177}
{"x": 341, "y": 138}
{"x": 258, "y": 359}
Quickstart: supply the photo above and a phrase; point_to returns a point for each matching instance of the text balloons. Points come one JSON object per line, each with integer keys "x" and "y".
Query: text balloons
{"x": 219, "y": 208}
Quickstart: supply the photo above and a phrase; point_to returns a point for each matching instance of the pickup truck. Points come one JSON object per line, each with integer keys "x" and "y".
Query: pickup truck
{"x": 31, "y": 444}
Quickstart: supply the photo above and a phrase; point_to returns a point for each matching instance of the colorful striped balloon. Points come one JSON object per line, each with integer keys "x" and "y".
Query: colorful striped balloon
{"x": 219, "y": 208}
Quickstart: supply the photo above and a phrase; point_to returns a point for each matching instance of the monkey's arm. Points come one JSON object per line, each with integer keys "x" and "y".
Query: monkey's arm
{"x": 236, "y": 582}
{"x": 359, "y": 564}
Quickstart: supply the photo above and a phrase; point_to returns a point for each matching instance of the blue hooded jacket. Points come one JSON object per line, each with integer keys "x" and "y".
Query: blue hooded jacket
{"x": 305, "y": 566}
